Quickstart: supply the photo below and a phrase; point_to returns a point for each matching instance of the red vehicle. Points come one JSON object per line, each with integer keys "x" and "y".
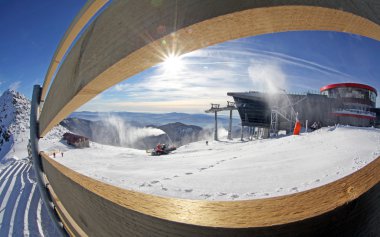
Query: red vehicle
{"x": 162, "y": 149}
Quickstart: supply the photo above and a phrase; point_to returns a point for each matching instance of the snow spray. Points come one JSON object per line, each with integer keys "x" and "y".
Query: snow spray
{"x": 128, "y": 134}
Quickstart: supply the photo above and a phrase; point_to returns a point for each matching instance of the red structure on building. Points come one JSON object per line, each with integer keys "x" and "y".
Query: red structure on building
{"x": 357, "y": 102}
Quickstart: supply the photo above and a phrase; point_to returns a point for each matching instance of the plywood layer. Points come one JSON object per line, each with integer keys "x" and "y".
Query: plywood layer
{"x": 88, "y": 11}
{"x": 131, "y": 36}
{"x": 100, "y": 209}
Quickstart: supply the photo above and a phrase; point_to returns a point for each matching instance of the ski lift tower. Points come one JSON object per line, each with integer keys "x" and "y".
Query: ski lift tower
{"x": 230, "y": 106}
{"x": 215, "y": 108}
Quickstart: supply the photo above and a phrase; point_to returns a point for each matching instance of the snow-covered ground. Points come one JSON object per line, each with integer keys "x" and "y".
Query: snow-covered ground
{"x": 22, "y": 212}
{"x": 225, "y": 170}
{"x": 230, "y": 170}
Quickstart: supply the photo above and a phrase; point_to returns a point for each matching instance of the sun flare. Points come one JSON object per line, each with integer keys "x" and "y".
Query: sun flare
{"x": 173, "y": 64}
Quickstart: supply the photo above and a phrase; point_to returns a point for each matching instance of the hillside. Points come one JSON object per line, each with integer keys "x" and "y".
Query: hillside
{"x": 14, "y": 121}
{"x": 116, "y": 131}
{"x": 22, "y": 212}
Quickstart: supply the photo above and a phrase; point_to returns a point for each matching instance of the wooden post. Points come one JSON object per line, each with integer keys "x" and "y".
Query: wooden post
{"x": 37, "y": 164}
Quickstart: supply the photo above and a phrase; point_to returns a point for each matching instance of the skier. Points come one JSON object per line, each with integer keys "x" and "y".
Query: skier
{"x": 62, "y": 153}
{"x": 54, "y": 154}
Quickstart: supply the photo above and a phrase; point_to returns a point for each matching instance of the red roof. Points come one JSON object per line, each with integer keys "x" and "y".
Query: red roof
{"x": 356, "y": 85}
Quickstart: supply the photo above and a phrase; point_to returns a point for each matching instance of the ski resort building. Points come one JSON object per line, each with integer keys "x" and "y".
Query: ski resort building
{"x": 76, "y": 140}
{"x": 344, "y": 103}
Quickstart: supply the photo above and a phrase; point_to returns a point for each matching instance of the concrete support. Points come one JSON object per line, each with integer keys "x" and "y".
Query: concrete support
{"x": 216, "y": 126}
{"x": 265, "y": 133}
{"x": 230, "y": 127}
{"x": 242, "y": 133}
{"x": 37, "y": 165}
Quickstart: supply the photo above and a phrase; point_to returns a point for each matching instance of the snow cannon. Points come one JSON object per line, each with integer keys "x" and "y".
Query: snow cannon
{"x": 297, "y": 128}
{"x": 162, "y": 149}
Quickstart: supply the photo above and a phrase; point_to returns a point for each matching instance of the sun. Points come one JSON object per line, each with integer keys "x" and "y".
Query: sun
{"x": 173, "y": 64}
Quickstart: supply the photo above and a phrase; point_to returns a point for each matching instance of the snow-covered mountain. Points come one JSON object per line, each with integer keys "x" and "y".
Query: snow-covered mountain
{"x": 14, "y": 120}
{"x": 14, "y": 126}
{"x": 22, "y": 212}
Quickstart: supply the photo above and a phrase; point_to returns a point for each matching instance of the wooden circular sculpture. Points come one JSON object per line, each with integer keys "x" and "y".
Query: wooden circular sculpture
{"x": 131, "y": 36}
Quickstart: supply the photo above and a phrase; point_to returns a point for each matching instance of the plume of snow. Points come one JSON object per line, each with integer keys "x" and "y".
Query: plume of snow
{"x": 129, "y": 134}
{"x": 267, "y": 76}
{"x": 222, "y": 133}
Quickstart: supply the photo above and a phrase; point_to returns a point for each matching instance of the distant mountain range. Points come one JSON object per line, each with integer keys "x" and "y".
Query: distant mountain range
{"x": 120, "y": 133}
{"x": 127, "y": 129}
{"x": 117, "y": 131}
{"x": 144, "y": 119}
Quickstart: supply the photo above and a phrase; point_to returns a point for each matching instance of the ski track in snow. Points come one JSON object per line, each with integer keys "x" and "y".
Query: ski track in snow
{"x": 21, "y": 208}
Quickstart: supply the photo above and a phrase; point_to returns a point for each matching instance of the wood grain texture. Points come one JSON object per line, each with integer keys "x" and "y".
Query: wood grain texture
{"x": 69, "y": 224}
{"x": 105, "y": 210}
{"x": 131, "y": 36}
{"x": 88, "y": 11}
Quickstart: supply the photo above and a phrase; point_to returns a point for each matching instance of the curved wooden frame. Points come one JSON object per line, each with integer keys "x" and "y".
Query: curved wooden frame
{"x": 124, "y": 41}
{"x": 84, "y": 16}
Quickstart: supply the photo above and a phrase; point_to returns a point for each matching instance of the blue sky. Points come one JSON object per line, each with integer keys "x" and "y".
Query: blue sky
{"x": 30, "y": 31}
{"x": 295, "y": 61}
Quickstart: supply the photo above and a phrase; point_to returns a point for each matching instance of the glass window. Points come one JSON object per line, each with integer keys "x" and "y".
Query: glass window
{"x": 372, "y": 96}
{"x": 349, "y": 92}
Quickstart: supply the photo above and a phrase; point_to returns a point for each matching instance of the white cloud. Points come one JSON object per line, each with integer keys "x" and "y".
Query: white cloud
{"x": 194, "y": 82}
{"x": 206, "y": 77}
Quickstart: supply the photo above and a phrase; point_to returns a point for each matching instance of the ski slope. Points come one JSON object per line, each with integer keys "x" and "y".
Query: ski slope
{"x": 231, "y": 170}
{"x": 21, "y": 210}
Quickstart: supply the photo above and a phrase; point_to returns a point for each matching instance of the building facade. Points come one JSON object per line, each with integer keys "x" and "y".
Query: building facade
{"x": 344, "y": 103}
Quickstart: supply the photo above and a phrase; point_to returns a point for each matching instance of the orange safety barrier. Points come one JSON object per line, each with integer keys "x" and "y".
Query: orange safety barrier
{"x": 297, "y": 128}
